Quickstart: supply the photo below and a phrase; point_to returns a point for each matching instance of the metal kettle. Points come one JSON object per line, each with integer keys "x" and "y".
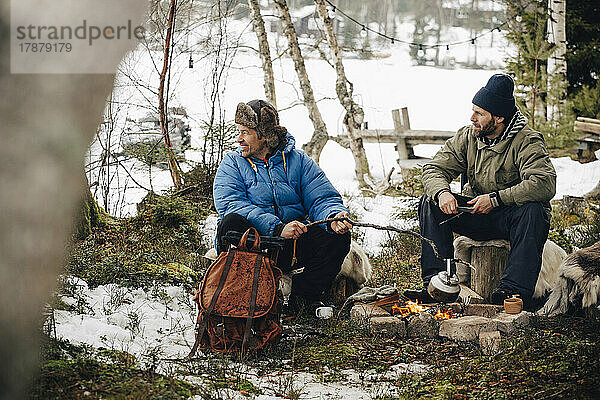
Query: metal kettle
{"x": 444, "y": 286}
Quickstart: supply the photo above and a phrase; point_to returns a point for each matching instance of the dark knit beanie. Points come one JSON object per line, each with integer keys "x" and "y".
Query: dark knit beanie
{"x": 497, "y": 96}
{"x": 262, "y": 116}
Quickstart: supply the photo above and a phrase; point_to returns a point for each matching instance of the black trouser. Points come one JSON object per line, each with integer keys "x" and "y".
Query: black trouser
{"x": 319, "y": 252}
{"x": 525, "y": 227}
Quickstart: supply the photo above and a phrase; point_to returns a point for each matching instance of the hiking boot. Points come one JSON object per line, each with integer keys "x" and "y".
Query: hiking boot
{"x": 500, "y": 294}
{"x": 293, "y": 306}
{"x": 297, "y": 304}
{"x": 420, "y": 295}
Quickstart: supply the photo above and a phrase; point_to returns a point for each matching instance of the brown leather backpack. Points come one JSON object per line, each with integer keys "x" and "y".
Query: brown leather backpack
{"x": 239, "y": 301}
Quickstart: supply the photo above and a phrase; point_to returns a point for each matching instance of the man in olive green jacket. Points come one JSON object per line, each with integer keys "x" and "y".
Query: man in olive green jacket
{"x": 510, "y": 182}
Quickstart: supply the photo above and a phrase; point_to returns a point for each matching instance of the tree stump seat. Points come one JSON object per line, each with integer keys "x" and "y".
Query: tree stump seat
{"x": 489, "y": 258}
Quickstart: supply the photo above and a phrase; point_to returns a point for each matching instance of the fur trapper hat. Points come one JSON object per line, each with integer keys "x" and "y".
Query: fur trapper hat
{"x": 262, "y": 116}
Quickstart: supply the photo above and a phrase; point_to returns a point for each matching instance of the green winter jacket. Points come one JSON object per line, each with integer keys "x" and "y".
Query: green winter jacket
{"x": 519, "y": 168}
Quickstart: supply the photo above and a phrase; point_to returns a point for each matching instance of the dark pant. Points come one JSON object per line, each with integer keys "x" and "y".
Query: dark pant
{"x": 525, "y": 227}
{"x": 320, "y": 253}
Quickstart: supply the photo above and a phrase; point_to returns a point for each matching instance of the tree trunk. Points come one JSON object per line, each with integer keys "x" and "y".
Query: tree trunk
{"x": 557, "y": 61}
{"x": 164, "y": 124}
{"x": 91, "y": 215}
{"x": 320, "y": 136}
{"x": 440, "y": 23}
{"x": 41, "y": 184}
{"x": 264, "y": 51}
{"x": 489, "y": 262}
{"x": 354, "y": 113}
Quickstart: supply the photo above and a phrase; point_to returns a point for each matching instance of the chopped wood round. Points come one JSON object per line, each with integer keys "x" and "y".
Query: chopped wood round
{"x": 489, "y": 258}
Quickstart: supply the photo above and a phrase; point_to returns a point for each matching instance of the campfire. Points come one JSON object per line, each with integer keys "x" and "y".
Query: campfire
{"x": 393, "y": 305}
{"x": 411, "y": 307}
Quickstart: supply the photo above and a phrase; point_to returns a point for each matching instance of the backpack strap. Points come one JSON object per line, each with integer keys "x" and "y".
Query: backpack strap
{"x": 201, "y": 322}
{"x": 253, "y": 295}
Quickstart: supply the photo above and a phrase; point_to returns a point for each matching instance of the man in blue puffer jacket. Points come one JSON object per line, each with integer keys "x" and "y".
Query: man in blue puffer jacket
{"x": 270, "y": 185}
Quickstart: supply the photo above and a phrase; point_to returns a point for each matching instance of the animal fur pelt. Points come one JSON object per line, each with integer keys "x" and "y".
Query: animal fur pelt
{"x": 552, "y": 256}
{"x": 356, "y": 266}
{"x": 578, "y": 283}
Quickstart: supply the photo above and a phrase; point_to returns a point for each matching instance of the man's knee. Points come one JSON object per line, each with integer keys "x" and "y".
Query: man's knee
{"x": 533, "y": 208}
{"x": 330, "y": 246}
{"x": 424, "y": 203}
{"x": 230, "y": 222}
{"x": 233, "y": 219}
{"x": 339, "y": 244}
{"x": 344, "y": 241}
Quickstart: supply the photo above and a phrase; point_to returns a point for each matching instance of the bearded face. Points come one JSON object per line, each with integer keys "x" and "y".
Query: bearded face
{"x": 485, "y": 124}
{"x": 485, "y": 130}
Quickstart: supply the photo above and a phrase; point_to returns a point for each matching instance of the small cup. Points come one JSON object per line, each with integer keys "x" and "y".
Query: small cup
{"x": 513, "y": 305}
{"x": 324, "y": 312}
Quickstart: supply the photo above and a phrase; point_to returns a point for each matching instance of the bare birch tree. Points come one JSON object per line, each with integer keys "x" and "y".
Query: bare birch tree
{"x": 343, "y": 87}
{"x": 557, "y": 61}
{"x": 320, "y": 136}
{"x": 263, "y": 51}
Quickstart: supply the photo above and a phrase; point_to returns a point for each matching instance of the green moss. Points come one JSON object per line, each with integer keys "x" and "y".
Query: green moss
{"x": 235, "y": 383}
{"x": 553, "y": 358}
{"x": 91, "y": 215}
{"x": 170, "y": 211}
{"x": 162, "y": 244}
{"x": 75, "y": 372}
{"x": 326, "y": 354}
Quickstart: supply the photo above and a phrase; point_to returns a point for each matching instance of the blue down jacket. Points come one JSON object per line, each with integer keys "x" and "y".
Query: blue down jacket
{"x": 287, "y": 187}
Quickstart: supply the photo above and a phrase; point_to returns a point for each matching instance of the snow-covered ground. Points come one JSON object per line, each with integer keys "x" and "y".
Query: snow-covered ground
{"x": 158, "y": 324}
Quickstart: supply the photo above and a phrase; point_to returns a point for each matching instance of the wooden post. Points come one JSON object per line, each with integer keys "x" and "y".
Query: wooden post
{"x": 406, "y": 124}
{"x": 401, "y": 147}
{"x": 405, "y": 119}
{"x": 342, "y": 288}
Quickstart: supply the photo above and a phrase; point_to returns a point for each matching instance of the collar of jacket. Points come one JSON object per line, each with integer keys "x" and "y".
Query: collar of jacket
{"x": 277, "y": 157}
{"x": 499, "y": 147}
{"x": 516, "y": 124}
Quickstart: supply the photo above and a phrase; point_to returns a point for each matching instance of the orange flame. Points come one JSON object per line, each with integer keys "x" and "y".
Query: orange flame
{"x": 412, "y": 307}
{"x": 444, "y": 315}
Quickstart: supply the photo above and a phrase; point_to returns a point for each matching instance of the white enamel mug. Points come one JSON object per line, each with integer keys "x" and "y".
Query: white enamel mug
{"x": 324, "y": 312}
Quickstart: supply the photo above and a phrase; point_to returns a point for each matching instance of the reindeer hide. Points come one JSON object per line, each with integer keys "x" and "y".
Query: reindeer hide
{"x": 578, "y": 283}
